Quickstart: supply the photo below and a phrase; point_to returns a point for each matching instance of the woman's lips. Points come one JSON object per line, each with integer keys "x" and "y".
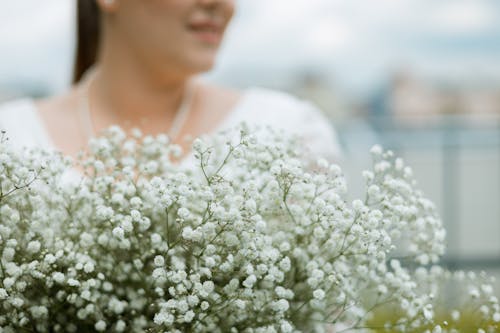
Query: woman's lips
{"x": 206, "y": 31}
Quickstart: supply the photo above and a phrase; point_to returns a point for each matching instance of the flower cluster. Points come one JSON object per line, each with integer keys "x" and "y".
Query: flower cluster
{"x": 250, "y": 239}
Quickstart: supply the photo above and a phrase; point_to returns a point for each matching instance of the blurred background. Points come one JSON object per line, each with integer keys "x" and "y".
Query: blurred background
{"x": 421, "y": 77}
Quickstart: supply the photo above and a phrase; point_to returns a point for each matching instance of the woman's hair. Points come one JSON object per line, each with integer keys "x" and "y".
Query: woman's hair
{"x": 87, "y": 38}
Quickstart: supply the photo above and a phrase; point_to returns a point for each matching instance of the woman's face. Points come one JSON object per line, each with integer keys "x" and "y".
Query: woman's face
{"x": 178, "y": 36}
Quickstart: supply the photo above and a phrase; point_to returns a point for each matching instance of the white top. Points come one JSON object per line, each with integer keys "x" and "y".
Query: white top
{"x": 257, "y": 106}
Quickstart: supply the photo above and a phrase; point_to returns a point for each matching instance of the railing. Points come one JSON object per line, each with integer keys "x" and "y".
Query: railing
{"x": 448, "y": 138}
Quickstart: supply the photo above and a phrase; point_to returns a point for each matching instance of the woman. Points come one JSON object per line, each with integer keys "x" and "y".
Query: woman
{"x": 136, "y": 66}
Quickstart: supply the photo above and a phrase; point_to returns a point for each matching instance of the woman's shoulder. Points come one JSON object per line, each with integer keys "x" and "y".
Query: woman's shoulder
{"x": 255, "y": 98}
{"x": 274, "y": 95}
{"x": 277, "y": 105}
{"x": 16, "y": 114}
{"x": 10, "y": 108}
{"x": 273, "y": 98}
{"x": 20, "y": 120}
{"x": 17, "y": 109}
{"x": 279, "y": 109}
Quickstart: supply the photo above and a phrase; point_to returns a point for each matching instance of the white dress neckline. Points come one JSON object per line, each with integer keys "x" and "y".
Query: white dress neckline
{"x": 46, "y": 141}
{"x": 257, "y": 106}
{"x": 73, "y": 175}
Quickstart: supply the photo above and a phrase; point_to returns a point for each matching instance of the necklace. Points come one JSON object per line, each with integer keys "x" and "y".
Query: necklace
{"x": 180, "y": 116}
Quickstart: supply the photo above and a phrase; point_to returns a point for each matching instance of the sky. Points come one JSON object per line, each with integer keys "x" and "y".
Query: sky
{"x": 355, "y": 43}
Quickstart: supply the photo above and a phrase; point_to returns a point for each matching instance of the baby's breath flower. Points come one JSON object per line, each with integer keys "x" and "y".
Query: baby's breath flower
{"x": 118, "y": 232}
{"x": 88, "y": 267}
{"x": 120, "y": 326}
{"x": 319, "y": 294}
{"x": 281, "y": 305}
{"x": 286, "y": 327}
{"x": 100, "y": 326}
{"x": 73, "y": 283}
{"x": 204, "y": 305}
{"x": 3, "y": 294}
{"x": 8, "y": 282}
{"x": 251, "y": 238}
{"x": 159, "y": 261}
{"x": 183, "y": 213}
{"x": 33, "y": 246}
{"x": 136, "y": 215}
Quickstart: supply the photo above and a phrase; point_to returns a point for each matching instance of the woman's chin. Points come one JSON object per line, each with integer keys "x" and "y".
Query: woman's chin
{"x": 194, "y": 63}
{"x": 203, "y": 64}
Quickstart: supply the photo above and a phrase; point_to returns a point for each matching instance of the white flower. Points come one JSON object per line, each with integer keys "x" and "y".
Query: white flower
{"x": 204, "y": 305}
{"x": 144, "y": 224}
{"x": 86, "y": 295}
{"x": 437, "y": 329}
{"x": 319, "y": 294}
{"x": 118, "y": 232}
{"x": 73, "y": 283}
{"x": 159, "y": 261}
{"x": 285, "y": 264}
{"x": 104, "y": 213}
{"x": 39, "y": 312}
{"x": 322, "y": 163}
{"x": 58, "y": 277}
{"x": 382, "y": 289}
{"x": 155, "y": 238}
{"x": 182, "y": 306}
{"x": 187, "y": 233}
{"x": 357, "y": 205}
{"x": 474, "y": 292}
{"x": 281, "y": 305}
{"x": 88, "y": 267}
{"x": 17, "y": 302}
{"x": 240, "y": 304}
{"x": 193, "y": 300}
{"x": 8, "y": 282}
{"x": 250, "y": 281}
{"x": 253, "y": 226}
{"x": 189, "y": 316}
{"x": 86, "y": 239}
{"x": 117, "y": 306}
{"x": 286, "y": 327}
{"x": 487, "y": 289}
{"x": 199, "y": 145}
{"x": 261, "y": 226}
{"x": 208, "y": 286}
{"x": 106, "y": 286}
{"x": 376, "y": 150}
{"x": 210, "y": 262}
{"x": 428, "y": 312}
{"x": 163, "y": 318}
{"x": 120, "y": 326}
{"x": 100, "y": 326}
{"x": 484, "y": 310}
{"x": 33, "y": 246}
{"x": 251, "y": 206}
{"x": 103, "y": 239}
{"x": 127, "y": 225}
{"x": 8, "y": 254}
{"x": 183, "y": 213}
{"x": 3, "y": 294}
{"x": 136, "y": 215}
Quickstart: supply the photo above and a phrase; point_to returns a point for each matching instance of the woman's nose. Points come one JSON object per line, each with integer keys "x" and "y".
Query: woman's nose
{"x": 226, "y": 6}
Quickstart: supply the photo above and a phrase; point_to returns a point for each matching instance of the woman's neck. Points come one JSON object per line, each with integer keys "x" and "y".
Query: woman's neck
{"x": 125, "y": 92}
{"x": 126, "y": 97}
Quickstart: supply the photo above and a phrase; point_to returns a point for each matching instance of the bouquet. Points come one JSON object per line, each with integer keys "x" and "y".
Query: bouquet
{"x": 253, "y": 238}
